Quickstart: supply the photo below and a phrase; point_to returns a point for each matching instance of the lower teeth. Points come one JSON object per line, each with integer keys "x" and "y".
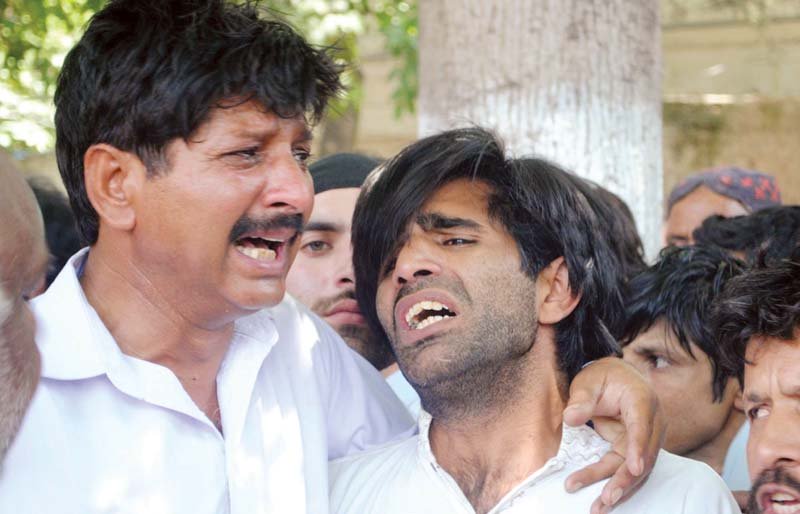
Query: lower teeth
{"x": 259, "y": 254}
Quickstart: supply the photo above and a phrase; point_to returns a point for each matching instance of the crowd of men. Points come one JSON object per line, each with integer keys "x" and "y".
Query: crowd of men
{"x": 461, "y": 334}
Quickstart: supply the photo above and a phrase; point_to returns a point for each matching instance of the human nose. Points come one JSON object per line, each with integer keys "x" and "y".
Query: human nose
{"x": 343, "y": 266}
{"x": 287, "y": 185}
{"x": 775, "y": 443}
{"x": 417, "y": 258}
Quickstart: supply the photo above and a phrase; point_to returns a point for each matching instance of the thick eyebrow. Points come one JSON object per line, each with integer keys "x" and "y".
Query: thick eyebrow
{"x": 323, "y": 226}
{"x": 435, "y": 221}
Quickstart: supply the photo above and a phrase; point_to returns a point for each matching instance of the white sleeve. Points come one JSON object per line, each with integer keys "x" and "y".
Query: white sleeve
{"x": 362, "y": 411}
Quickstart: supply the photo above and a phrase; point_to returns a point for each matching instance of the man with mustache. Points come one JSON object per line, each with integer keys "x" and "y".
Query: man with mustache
{"x": 493, "y": 283}
{"x": 176, "y": 377}
{"x": 757, "y": 321}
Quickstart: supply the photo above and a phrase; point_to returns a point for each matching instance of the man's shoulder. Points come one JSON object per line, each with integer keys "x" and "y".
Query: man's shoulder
{"x": 681, "y": 485}
{"x": 378, "y": 465}
{"x": 374, "y": 477}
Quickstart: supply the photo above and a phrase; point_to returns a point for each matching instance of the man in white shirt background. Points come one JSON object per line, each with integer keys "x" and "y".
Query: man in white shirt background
{"x": 175, "y": 375}
{"x": 757, "y": 322}
{"x": 491, "y": 279}
{"x": 23, "y": 262}
{"x": 668, "y": 336}
{"x": 322, "y": 274}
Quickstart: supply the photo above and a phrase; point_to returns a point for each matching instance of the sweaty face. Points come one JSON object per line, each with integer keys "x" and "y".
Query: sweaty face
{"x": 322, "y": 274}
{"x": 683, "y": 386}
{"x": 220, "y": 227}
{"x": 455, "y": 302}
{"x": 772, "y": 403}
{"x": 688, "y": 213}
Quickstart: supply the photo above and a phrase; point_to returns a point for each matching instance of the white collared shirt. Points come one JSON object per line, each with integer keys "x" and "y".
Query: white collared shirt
{"x": 107, "y": 432}
{"x": 405, "y": 478}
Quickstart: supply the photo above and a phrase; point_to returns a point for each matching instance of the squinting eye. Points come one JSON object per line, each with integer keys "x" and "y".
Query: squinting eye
{"x": 458, "y": 241}
{"x": 660, "y": 362}
{"x": 758, "y": 412}
{"x": 302, "y": 156}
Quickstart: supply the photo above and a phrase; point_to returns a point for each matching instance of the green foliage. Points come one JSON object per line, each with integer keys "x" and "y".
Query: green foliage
{"x": 35, "y": 36}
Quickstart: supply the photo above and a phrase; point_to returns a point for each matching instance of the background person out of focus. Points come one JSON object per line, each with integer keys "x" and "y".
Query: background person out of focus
{"x": 668, "y": 336}
{"x": 769, "y": 234}
{"x": 757, "y": 321}
{"x": 59, "y": 226}
{"x": 23, "y": 258}
{"x": 322, "y": 276}
{"x": 725, "y": 191}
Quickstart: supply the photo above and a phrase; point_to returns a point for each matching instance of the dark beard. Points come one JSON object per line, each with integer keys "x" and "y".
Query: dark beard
{"x": 769, "y": 476}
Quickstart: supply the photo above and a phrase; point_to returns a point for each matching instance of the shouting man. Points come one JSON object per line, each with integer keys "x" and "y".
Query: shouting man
{"x": 175, "y": 375}
{"x": 757, "y": 321}
{"x": 491, "y": 279}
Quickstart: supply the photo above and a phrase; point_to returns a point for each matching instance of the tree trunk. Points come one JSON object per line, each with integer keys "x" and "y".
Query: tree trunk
{"x": 575, "y": 81}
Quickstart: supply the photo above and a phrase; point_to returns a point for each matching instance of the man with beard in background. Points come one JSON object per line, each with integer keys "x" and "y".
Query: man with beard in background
{"x": 757, "y": 321}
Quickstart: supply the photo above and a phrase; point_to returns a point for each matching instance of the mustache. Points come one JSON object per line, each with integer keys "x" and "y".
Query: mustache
{"x": 325, "y": 304}
{"x": 247, "y": 224}
{"x": 769, "y": 476}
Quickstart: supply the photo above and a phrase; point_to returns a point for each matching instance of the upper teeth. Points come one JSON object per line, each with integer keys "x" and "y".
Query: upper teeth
{"x": 417, "y": 308}
{"x": 782, "y": 497}
{"x": 260, "y": 254}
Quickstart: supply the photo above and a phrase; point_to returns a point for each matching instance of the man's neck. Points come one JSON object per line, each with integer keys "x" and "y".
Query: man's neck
{"x": 491, "y": 451}
{"x": 714, "y": 451}
{"x": 145, "y": 324}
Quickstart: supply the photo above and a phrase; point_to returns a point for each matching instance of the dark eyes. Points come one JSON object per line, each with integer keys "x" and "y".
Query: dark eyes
{"x": 458, "y": 241}
{"x": 253, "y": 155}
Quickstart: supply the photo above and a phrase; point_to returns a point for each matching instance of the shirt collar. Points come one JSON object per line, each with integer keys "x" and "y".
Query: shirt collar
{"x": 579, "y": 447}
{"x": 75, "y": 344}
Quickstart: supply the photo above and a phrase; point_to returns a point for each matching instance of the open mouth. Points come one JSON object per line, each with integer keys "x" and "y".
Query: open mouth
{"x": 426, "y": 313}
{"x": 779, "y": 502}
{"x": 259, "y": 248}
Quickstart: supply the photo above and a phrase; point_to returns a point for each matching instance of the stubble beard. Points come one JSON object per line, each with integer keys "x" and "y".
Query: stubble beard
{"x": 484, "y": 367}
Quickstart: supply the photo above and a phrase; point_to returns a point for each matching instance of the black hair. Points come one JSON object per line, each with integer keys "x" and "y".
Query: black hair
{"x": 146, "y": 72}
{"x": 618, "y": 223}
{"x": 770, "y": 234}
{"x": 60, "y": 229}
{"x": 680, "y": 289}
{"x": 763, "y": 302}
{"x": 535, "y": 201}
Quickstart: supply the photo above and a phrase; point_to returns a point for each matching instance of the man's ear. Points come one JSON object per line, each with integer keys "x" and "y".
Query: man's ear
{"x": 558, "y": 299}
{"x": 113, "y": 178}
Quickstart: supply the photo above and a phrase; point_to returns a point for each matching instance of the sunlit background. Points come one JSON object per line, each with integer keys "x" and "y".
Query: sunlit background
{"x": 730, "y": 84}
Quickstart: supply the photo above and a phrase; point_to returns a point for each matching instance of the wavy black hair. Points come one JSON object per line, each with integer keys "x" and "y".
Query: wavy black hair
{"x": 770, "y": 234}
{"x": 680, "y": 288}
{"x": 764, "y": 302}
{"x": 534, "y": 200}
{"x": 146, "y": 72}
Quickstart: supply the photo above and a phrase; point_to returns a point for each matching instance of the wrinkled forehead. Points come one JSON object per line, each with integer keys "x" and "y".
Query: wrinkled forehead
{"x": 771, "y": 361}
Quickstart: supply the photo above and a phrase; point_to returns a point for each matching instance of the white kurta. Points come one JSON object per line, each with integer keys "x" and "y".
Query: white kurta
{"x": 404, "y": 478}
{"x": 107, "y": 432}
